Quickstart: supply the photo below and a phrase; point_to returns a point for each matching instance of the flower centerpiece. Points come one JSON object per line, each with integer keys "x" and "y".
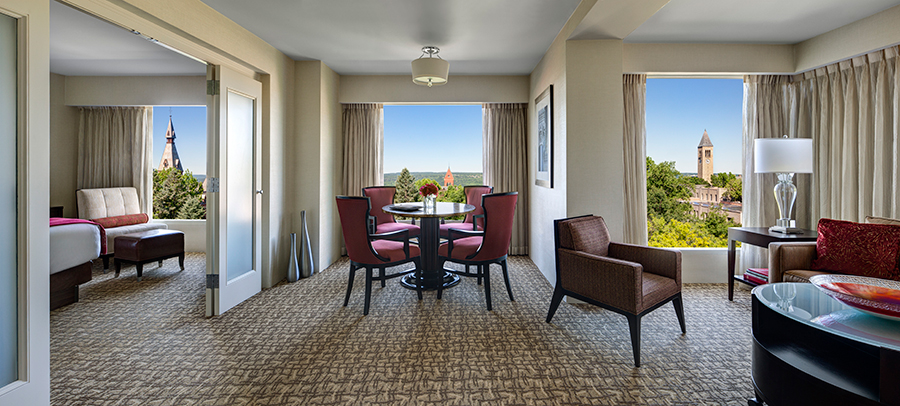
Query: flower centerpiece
{"x": 429, "y": 193}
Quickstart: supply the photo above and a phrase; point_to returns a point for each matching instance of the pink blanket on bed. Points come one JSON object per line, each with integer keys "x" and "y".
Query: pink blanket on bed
{"x": 61, "y": 221}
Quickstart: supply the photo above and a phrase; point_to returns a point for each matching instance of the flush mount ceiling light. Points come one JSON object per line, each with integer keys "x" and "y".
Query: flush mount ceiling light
{"x": 430, "y": 69}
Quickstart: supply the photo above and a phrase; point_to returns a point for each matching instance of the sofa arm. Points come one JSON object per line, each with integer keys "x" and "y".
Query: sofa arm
{"x": 786, "y": 256}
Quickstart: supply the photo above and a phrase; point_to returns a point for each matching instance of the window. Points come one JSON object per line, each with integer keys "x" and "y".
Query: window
{"x": 693, "y": 205}
{"x": 179, "y": 169}
{"x": 436, "y": 144}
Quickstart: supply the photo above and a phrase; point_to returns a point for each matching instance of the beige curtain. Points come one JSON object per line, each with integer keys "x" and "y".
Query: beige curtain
{"x": 852, "y": 111}
{"x": 635, "y": 137}
{"x": 766, "y": 115}
{"x": 363, "y": 128}
{"x": 115, "y": 147}
{"x": 504, "y": 159}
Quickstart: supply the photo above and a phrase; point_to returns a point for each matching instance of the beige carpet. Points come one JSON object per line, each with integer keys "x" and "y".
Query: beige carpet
{"x": 148, "y": 343}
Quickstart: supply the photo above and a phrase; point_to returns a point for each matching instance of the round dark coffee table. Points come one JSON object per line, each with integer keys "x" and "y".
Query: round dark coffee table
{"x": 433, "y": 272}
{"x": 814, "y": 350}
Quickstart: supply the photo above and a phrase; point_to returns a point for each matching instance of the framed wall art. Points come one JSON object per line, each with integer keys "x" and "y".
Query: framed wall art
{"x": 543, "y": 113}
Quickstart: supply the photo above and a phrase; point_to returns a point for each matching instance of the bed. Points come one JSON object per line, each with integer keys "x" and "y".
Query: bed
{"x": 73, "y": 245}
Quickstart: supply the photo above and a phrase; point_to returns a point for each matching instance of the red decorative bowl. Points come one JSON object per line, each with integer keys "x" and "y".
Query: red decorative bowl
{"x": 878, "y": 297}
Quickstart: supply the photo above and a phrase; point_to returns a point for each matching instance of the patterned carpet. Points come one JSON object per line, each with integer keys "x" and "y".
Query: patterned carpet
{"x": 148, "y": 343}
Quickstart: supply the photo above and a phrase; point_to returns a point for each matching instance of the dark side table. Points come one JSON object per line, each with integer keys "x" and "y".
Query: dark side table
{"x": 760, "y": 237}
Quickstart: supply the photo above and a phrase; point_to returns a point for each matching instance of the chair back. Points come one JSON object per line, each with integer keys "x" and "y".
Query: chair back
{"x": 585, "y": 233}
{"x": 499, "y": 211}
{"x": 473, "y": 197}
{"x": 354, "y": 213}
{"x": 381, "y": 196}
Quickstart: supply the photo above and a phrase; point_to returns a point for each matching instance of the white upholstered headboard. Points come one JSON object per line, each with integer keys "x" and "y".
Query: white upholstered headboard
{"x": 107, "y": 202}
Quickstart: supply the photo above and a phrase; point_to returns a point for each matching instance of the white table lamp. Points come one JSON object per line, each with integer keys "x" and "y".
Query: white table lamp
{"x": 785, "y": 157}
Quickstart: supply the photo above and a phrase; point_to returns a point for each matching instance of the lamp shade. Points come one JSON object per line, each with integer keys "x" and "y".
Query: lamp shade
{"x": 783, "y": 155}
{"x": 430, "y": 71}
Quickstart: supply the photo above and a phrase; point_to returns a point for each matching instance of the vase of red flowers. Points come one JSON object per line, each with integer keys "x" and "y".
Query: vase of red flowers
{"x": 429, "y": 193}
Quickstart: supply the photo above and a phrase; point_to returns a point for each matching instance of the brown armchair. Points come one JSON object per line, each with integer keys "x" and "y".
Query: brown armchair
{"x": 631, "y": 280}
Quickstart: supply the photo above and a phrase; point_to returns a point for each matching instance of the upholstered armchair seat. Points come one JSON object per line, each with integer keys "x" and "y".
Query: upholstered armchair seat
{"x": 632, "y": 280}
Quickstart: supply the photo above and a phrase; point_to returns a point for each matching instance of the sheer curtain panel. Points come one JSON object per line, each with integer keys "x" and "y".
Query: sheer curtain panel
{"x": 635, "y": 137}
{"x": 852, "y": 111}
{"x": 363, "y": 128}
{"x": 115, "y": 147}
{"x": 504, "y": 159}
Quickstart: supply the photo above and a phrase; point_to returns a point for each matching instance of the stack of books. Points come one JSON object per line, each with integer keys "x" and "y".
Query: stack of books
{"x": 759, "y": 276}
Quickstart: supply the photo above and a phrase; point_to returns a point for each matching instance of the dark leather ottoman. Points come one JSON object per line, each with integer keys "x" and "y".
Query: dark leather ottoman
{"x": 148, "y": 246}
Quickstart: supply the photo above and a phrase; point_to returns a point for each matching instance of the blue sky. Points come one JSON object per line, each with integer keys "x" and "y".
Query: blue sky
{"x": 429, "y": 138}
{"x": 190, "y": 135}
{"x": 678, "y": 110}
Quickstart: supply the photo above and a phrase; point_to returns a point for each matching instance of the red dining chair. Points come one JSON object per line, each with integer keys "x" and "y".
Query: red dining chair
{"x": 475, "y": 219}
{"x": 379, "y": 221}
{"x": 486, "y": 247}
{"x": 373, "y": 250}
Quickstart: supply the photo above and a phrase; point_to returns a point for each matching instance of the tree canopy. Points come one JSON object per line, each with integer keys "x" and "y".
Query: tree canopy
{"x": 406, "y": 190}
{"x": 177, "y": 195}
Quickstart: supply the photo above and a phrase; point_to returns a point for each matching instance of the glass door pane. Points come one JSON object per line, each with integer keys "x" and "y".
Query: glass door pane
{"x": 9, "y": 302}
{"x": 239, "y": 185}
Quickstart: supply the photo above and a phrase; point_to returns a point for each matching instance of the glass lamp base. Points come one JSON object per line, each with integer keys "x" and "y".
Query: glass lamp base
{"x": 785, "y": 230}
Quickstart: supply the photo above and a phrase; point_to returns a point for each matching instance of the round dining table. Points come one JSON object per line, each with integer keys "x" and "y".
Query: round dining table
{"x": 433, "y": 272}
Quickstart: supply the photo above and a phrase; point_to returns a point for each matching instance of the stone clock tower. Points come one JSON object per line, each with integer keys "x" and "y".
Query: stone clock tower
{"x": 705, "y": 158}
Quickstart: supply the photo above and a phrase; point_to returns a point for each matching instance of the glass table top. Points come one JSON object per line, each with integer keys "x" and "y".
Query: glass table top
{"x": 807, "y": 304}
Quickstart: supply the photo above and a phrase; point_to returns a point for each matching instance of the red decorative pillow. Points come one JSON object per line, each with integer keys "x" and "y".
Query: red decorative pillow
{"x": 858, "y": 249}
{"x": 126, "y": 220}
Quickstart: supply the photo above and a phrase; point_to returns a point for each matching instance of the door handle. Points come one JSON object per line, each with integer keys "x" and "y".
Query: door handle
{"x": 259, "y": 192}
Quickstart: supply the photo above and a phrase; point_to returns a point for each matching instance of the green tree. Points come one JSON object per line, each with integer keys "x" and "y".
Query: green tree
{"x": 730, "y": 182}
{"x": 406, "y": 190}
{"x": 453, "y": 194}
{"x": 667, "y": 190}
{"x": 674, "y": 233}
{"x": 173, "y": 189}
{"x": 717, "y": 222}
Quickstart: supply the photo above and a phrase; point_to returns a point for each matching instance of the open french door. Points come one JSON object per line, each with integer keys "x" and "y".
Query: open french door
{"x": 234, "y": 193}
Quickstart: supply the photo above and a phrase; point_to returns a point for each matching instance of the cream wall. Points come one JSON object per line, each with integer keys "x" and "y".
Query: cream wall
{"x": 871, "y": 33}
{"x": 135, "y": 91}
{"x": 64, "y": 121}
{"x": 459, "y": 89}
{"x": 193, "y": 27}
{"x": 317, "y": 167}
{"x": 707, "y": 58}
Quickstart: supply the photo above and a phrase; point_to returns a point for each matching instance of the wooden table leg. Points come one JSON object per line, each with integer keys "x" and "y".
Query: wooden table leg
{"x": 730, "y": 269}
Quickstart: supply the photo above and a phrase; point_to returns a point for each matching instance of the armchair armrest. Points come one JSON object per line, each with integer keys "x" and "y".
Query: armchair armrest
{"x": 786, "y": 256}
{"x": 463, "y": 234}
{"x": 607, "y": 280}
{"x": 371, "y": 224}
{"x": 475, "y": 221}
{"x": 660, "y": 261}
{"x": 398, "y": 235}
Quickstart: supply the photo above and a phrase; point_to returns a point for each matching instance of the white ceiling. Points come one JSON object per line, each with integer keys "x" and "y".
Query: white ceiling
{"x": 478, "y": 37}
{"x": 82, "y": 45}
{"x": 753, "y": 22}
{"x": 486, "y": 37}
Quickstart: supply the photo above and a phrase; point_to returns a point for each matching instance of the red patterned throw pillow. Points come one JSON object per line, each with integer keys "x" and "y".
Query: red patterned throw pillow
{"x": 126, "y": 220}
{"x": 858, "y": 249}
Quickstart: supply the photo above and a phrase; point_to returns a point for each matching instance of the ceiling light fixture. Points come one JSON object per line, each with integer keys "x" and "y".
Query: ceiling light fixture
{"x": 431, "y": 70}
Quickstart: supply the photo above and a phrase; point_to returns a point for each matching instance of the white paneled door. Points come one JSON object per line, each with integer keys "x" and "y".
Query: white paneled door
{"x": 234, "y": 193}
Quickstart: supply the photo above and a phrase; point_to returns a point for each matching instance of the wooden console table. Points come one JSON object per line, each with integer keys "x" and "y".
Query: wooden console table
{"x": 760, "y": 237}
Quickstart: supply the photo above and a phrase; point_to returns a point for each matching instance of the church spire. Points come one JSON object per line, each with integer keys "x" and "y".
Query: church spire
{"x": 170, "y": 157}
{"x": 704, "y": 141}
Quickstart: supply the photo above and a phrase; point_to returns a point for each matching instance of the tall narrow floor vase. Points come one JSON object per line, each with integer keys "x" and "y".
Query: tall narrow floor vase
{"x": 307, "y": 266}
{"x": 293, "y": 273}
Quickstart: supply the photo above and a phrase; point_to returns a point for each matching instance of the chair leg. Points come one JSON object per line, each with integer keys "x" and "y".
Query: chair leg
{"x": 486, "y": 270}
{"x": 477, "y": 272}
{"x": 349, "y": 285}
{"x": 506, "y": 278}
{"x": 679, "y": 311}
{"x": 554, "y": 302}
{"x": 368, "y": 290}
{"x": 381, "y": 272}
{"x": 634, "y": 324}
{"x": 440, "y": 292}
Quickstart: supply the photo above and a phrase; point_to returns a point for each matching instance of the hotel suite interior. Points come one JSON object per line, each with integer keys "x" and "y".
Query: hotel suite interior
{"x": 149, "y": 342}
